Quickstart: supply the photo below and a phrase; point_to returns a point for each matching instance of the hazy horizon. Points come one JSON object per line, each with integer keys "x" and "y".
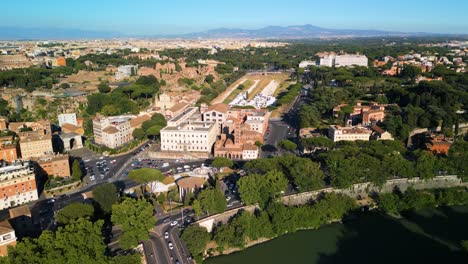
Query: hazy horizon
{"x": 144, "y": 17}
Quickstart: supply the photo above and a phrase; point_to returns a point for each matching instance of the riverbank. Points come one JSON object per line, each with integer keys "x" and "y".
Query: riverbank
{"x": 394, "y": 205}
{"x": 430, "y": 235}
{"x": 252, "y": 243}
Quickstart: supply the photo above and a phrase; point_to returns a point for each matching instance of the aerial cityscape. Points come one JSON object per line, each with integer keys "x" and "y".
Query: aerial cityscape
{"x": 241, "y": 132}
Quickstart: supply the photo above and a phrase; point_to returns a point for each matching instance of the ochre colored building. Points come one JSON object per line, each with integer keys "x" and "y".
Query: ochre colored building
{"x": 56, "y": 165}
{"x": 8, "y": 149}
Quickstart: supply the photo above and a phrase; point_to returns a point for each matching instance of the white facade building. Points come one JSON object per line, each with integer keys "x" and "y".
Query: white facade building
{"x": 67, "y": 119}
{"x": 188, "y": 133}
{"x": 338, "y": 133}
{"x": 17, "y": 185}
{"x": 126, "y": 71}
{"x": 305, "y": 64}
{"x": 344, "y": 60}
{"x": 112, "y": 131}
{"x": 350, "y": 60}
{"x": 328, "y": 61}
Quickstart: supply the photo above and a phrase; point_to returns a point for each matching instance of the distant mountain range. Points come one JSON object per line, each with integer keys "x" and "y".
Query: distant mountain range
{"x": 291, "y": 32}
{"x": 270, "y": 32}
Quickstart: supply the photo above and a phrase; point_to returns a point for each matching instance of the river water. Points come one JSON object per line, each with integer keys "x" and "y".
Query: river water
{"x": 427, "y": 236}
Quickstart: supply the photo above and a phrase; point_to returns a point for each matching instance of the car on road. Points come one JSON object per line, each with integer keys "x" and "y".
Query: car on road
{"x": 92, "y": 178}
{"x": 228, "y": 198}
{"x": 166, "y": 220}
{"x": 51, "y": 201}
{"x": 171, "y": 247}
{"x": 166, "y": 235}
{"x": 186, "y": 166}
{"x": 230, "y": 205}
{"x": 174, "y": 223}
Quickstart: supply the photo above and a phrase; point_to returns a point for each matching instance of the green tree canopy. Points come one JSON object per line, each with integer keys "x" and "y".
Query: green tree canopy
{"x": 410, "y": 71}
{"x": 220, "y": 162}
{"x": 306, "y": 174}
{"x": 104, "y": 88}
{"x": 458, "y": 158}
{"x": 136, "y": 218}
{"x": 145, "y": 175}
{"x": 105, "y": 195}
{"x": 196, "y": 238}
{"x": 138, "y": 133}
{"x": 77, "y": 173}
{"x": 154, "y": 131}
{"x": 209, "y": 78}
{"x": 74, "y": 211}
{"x": 260, "y": 189}
{"x": 212, "y": 200}
{"x": 287, "y": 145}
{"x": 77, "y": 242}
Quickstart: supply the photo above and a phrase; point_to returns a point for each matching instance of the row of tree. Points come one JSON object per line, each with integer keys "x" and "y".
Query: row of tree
{"x": 275, "y": 220}
{"x": 413, "y": 199}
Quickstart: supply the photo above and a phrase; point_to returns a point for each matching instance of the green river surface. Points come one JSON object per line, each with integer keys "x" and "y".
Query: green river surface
{"x": 426, "y": 236}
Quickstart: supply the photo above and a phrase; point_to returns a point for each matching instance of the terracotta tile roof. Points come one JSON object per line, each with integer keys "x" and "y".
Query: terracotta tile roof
{"x": 222, "y": 108}
{"x": 19, "y": 211}
{"x": 110, "y": 130}
{"x": 139, "y": 120}
{"x": 69, "y": 127}
{"x": 191, "y": 182}
{"x": 178, "y": 107}
{"x": 5, "y": 227}
{"x": 378, "y": 129}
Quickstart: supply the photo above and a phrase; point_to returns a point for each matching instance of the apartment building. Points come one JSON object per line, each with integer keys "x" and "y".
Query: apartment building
{"x": 334, "y": 60}
{"x": 34, "y": 145}
{"x": 53, "y": 165}
{"x": 350, "y": 60}
{"x": 112, "y": 131}
{"x": 353, "y": 133}
{"x": 188, "y": 133}
{"x": 17, "y": 184}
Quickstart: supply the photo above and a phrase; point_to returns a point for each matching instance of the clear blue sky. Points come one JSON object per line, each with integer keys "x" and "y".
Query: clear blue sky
{"x": 183, "y": 16}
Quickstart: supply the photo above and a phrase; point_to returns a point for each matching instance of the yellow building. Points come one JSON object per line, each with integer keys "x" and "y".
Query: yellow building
{"x": 35, "y": 146}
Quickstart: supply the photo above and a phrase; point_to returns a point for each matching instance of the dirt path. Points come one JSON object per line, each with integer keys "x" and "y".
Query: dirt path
{"x": 222, "y": 96}
{"x": 270, "y": 89}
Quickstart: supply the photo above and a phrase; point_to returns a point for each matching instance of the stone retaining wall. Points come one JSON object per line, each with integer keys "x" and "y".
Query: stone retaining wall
{"x": 364, "y": 189}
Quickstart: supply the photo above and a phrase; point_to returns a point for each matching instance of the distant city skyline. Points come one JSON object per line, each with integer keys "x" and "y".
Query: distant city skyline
{"x": 146, "y": 17}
